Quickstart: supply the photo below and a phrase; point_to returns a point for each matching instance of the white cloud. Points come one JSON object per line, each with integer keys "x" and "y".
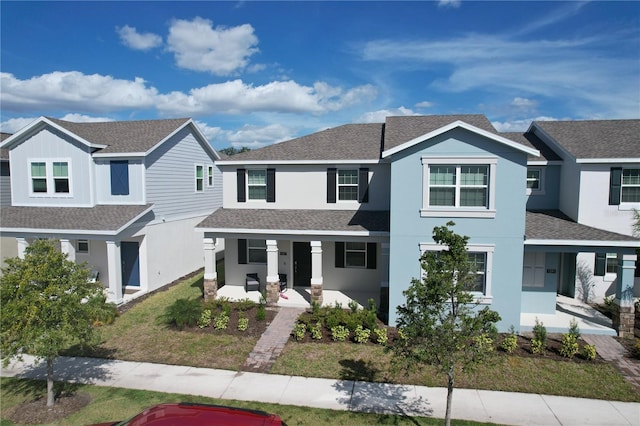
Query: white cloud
{"x": 380, "y": 115}
{"x": 424, "y": 104}
{"x": 523, "y": 103}
{"x": 12, "y": 125}
{"x": 258, "y": 136}
{"x": 81, "y": 118}
{"x": 221, "y": 51}
{"x": 130, "y": 37}
{"x": 209, "y": 132}
{"x": 449, "y": 3}
{"x": 518, "y": 125}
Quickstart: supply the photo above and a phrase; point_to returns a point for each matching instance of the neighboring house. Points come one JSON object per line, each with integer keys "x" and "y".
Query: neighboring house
{"x": 122, "y": 196}
{"x": 8, "y": 246}
{"x": 352, "y": 208}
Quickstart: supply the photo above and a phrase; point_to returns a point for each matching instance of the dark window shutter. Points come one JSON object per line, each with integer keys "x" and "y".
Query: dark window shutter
{"x": 242, "y": 187}
{"x": 331, "y": 185}
{"x": 372, "y": 255}
{"x": 242, "y": 252}
{"x": 601, "y": 263}
{"x": 271, "y": 185}
{"x": 615, "y": 186}
{"x": 119, "y": 177}
{"x": 363, "y": 185}
{"x": 339, "y": 254}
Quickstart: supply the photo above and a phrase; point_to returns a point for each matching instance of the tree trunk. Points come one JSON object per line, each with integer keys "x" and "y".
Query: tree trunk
{"x": 50, "y": 394}
{"x": 447, "y": 417}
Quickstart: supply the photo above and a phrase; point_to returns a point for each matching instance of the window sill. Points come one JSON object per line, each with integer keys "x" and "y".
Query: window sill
{"x": 484, "y": 213}
{"x": 482, "y": 299}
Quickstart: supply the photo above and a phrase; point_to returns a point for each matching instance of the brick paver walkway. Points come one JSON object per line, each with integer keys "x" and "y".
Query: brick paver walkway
{"x": 611, "y": 350}
{"x": 272, "y": 342}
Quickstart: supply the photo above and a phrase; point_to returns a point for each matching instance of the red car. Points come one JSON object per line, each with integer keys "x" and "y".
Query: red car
{"x": 187, "y": 414}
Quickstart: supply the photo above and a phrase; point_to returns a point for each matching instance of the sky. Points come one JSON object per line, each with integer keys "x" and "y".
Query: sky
{"x": 256, "y": 73}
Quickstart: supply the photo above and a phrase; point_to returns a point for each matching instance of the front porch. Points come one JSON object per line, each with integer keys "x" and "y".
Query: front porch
{"x": 590, "y": 321}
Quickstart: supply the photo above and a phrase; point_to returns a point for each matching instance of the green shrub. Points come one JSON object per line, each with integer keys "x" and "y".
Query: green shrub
{"x": 105, "y": 313}
{"x": 205, "y": 319}
{"x": 381, "y": 335}
{"x": 261, "y": 313}
{"x": 353, "y": 305}
{"x": 569, "y": 345}
{"x": 574, "y": 330}
{"x": 540, "y": 333}
{"x": 244, "y": 304}
{"x": 589, "y": 352}
{"x": 608, "y": 303}
{"x": 361, "y": 335}
{"x": 339, "y": 333}
{"x": 221, "y": 321}
{"x": 636, "y": 349}
{"x": 338, "y": 316}
{"x": 299, "y": 330}
{"x": 484, "y": 343}
{"x": 510, "y": 341}
{"x": 316, "y": 331}
{"x": 183, "y": 313}
{"x": 537, "y": 347}
{"x": 315, "y": 307}
{"x": 243, "y": 322}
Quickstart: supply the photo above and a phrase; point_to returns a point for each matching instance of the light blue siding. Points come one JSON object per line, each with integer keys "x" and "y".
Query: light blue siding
{"x": 551, "y": 190}
{"x": 542, "y": 300}
{"x": 136, "y": 183}
{"x": 5, "y": 185}
{"x": 505, "y": 232}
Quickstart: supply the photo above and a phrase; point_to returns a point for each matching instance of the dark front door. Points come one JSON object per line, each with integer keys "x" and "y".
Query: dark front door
{"x": 129, "y": 253}
{"x": 301, "y": 264}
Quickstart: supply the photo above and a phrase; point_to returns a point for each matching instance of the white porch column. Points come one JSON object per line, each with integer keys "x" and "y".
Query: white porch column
{"x": 316, "y": 272}
{"x": 624, "y": 310}
{"x": 273, "y": 280}
{"x": 114, "y": 268}
{"x": 22, "y": 246}
{"x": 210, "y": 271}
{"x": 67, "y": 248}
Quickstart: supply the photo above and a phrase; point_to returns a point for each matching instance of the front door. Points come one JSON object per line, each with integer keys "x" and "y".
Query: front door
{"x": 301, "y": 264}
{"x": 130, "y": 254}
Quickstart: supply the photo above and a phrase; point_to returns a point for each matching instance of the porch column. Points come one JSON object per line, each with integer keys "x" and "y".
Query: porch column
{"x": 114, "y": 269}
{"x": 22, "y": 246}
{"x": 316, "y": 272}
{"x": 67, "y": 248}
{"x": 210, "y": 272}
{"x": 273, "y": 280}
{"x": 624, "y": 312}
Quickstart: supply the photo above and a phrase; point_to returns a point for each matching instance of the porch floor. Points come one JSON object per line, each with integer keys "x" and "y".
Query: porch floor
{"x": 590, "y": 321}
{"x": 300, "y": 297}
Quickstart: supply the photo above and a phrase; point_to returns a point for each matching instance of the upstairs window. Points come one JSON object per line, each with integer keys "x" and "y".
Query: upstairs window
{"x": 50, "y": 177}
{"x": 119, "y": 177}
{"x": 61, "y": 177}
{"x": 257, "y": 184}
{"x": 199, "y": 178}
{"x": 210, "y": 176}
{"x": 630, "y": 186}
{"x": 348, "y": 185}
{"x": 39, "y": 177}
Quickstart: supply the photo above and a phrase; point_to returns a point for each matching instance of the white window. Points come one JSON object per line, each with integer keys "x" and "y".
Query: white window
{"x": 51, "y": 177}
{"x": 611, "y": 263}
{"x": 82, "y": 247}
{"x": 257, "y": 184}
{"x": 630, "y": 186}
{"x": 39, "y": 177}
{"x": 257, "y": 251}
{"x": 61, "y": 177}
{"x": 210, "y": 175}
{"x": 348, "y": 185}
{"x": 355, "y": 255}
{"x": 462, "y": 187}
{"x": 199, "y": 178}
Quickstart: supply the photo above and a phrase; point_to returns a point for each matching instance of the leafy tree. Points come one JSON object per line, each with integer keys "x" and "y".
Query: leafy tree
{"x": 233, "y": 151}
{"x": 440, "y": 324}
{"x": 47, "y": 305}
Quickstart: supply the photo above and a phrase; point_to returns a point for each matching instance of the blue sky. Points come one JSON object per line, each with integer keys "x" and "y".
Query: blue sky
{"x": 255, "y": 73}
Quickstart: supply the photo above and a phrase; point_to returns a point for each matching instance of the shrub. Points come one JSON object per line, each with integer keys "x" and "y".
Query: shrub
{"x": 299, "y": 329}
{"x": 243, "y": 322}
{"x": 540, "y": 333}
{"x": 353, "y": 305}
{"x": 608, "y": 303}
{"x": 315, "y": 307}
{"x": 183, "y": 313}
{"x": 574, "y": 330}
{"x": 261, "y": 313}
{"x": 244, "y": 304}
{"x": 339, "y": 333}
{"x": 337, "y": 316}
{"x": 589, "y": 352}
{"x": 205, "y": 319}
{"x": 484, "y": 343}
{"x": 636, "y": 349}
{"x": 107, "y": 313}
{"x": 569, "y": 345}
{"x": 381, "y": 335}
{"x": 316, "y": 331}
{"x": 221, "y": 321}
{"x": 510, "y": 341}
{"x": 536, "y": 346}
{"x": 361, "y": 335}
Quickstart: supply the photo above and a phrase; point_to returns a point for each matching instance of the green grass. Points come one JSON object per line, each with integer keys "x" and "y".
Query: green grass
{"x": 109, "y": 404}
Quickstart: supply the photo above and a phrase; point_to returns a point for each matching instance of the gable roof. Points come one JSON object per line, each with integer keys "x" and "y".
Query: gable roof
{"x": 346, "y": 142}
{"x": 533, "y": 141}
{"x": 594, "y": 139}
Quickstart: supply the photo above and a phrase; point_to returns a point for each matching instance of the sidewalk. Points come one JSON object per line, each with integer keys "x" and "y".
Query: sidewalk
{"x": 479, "y": 405}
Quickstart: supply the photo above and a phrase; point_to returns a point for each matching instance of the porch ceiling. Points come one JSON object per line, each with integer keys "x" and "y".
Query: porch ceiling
{"x": 295, "y": 221}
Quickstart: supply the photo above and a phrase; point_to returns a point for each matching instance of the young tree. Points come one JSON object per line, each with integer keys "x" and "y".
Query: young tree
{"x": 47, "y": 305}
{"x": 440, "y": 323}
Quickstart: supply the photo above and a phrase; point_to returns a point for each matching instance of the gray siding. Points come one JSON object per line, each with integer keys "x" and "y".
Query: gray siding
{"x": 5, "y": 185}
{"x": 170, "y": 178}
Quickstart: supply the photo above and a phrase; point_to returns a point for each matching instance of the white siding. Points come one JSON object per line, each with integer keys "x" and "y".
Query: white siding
{"x": 103, "y": 183}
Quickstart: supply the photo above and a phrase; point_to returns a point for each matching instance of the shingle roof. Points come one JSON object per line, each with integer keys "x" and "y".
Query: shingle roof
{"x": 347, "y": 142}
{"x": 596, "y": 138}
{"x": 399, "y": 130}
{"x": 533, "y": 141}
{"x": 102, "y": 219}
{"x": 124, "y": 136}
{"x": 337, "y": 221}
{"x": 4, "y": 153}
{"x": 555, "y": 225}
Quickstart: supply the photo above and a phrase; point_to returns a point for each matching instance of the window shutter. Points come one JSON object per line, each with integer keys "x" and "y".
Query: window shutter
{"x": 242, "y": 187}
{"x": 119, "y": 177}
{"x": 339, "y": 254}
{"x": 271, "y": 185}
{"x": 601, "y": 263}
{"x": 363, "y": 185}
{"x": 615, "y": 186}
{"x": 242, "y": 252}
{"x": 331, "y": 185}
{"x": 372, "y": 255}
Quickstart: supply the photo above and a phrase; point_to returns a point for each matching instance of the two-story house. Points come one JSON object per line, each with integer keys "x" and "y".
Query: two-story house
{"x": 352, "y": 209}
{"x": 122, "y": 196}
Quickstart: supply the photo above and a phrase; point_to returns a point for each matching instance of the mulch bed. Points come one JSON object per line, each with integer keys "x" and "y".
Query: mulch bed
{"x": 255, "y": 329}
{"x": 36, "y": 411}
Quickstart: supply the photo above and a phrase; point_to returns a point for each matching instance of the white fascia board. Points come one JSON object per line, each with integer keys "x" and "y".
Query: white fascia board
{"x": 607, "y": 160}
{"x": 207, "y": 146}
{"x": 293, "y": 232}
{"x": 544, "y": 163}
{"x": 578, "y": 243}
{"x": 15, "y": 231}
{"x": 119, "y": 155}
{"x": 469, "y": 127}
{"x": 41, "y": 122}
{"x": 223, "y": 163}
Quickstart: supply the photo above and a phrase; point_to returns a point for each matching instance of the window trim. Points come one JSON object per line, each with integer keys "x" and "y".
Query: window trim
{"x": 83, "y": 252}
{"x": 623, "y": 186}
{"x": 198, "y": 179}
{"x": 50, "y": 178}
{"x": 346, "y": 250}
{"x": 447, "y": 211}
{"x": 485, "y": 298}
{"x": 249, "y": 185}
{"x": 540, "y": 190}
{"x": 350, "y": 185}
